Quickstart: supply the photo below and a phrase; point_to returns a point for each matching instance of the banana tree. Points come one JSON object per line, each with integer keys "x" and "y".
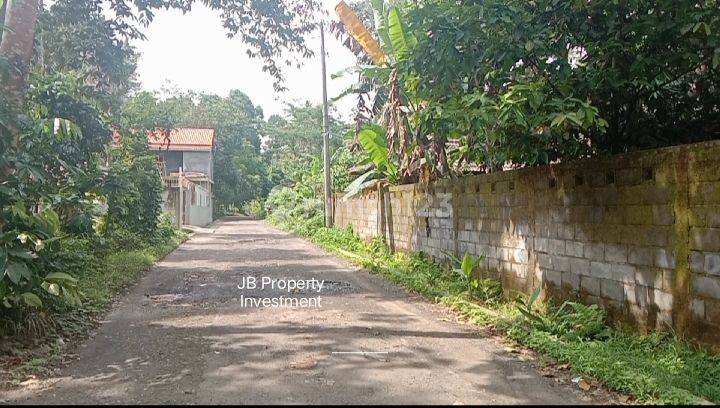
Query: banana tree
{"x": 374, "y": 143}
{"x": 392, "y": 104}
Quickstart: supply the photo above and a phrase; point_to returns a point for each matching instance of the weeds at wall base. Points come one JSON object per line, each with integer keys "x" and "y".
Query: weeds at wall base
{"x": 655, "y": 369}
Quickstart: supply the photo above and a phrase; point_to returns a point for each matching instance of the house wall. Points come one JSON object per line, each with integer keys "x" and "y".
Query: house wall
{"x": 173, "y": 160}
{"x": 199, "y": 206}
{"x": 638, "y": 234}
{"x": 198, "y": 211}
{"x": 198, "y": 161}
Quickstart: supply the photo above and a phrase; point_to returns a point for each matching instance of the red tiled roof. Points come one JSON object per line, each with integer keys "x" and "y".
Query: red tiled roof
{"x": 182, "y": 139}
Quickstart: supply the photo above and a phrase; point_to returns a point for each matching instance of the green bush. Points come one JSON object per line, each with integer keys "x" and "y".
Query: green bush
{"x": 134, "y": 191}
{"x": 294, "y": 206}
{"x": 255, "y": 208}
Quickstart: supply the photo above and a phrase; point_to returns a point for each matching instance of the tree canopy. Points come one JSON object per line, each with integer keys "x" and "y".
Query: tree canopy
{"x": 495, "y": 83}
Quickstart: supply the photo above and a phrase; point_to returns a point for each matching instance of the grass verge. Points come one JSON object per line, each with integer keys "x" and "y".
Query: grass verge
{"x": 101, "y": 279}
{"x": 654, "y": 369}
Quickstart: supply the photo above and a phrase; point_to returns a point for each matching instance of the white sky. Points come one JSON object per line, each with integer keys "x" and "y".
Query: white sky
{"x": 192, "y": 52}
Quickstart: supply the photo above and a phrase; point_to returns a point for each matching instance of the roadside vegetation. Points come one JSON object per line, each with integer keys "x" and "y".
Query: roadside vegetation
{"x": 480, "y": 87}
{"x": 80, "y": 192}
{"x": 32, "y": 346}
{"x": 653, "y": 369}
{"x": 457, "y": 87}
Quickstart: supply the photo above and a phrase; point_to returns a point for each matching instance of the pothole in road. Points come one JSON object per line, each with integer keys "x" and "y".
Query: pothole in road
{"x": 246, "y": 240}
{"x": 336, "y": 286}
{"x": 167, "y": 298}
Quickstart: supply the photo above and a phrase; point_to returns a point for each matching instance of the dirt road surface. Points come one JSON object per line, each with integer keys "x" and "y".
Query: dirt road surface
{"x": 181, "y": 336}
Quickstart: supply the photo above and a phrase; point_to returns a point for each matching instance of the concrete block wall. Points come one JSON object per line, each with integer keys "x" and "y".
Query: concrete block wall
{"x": 638, "y": 234}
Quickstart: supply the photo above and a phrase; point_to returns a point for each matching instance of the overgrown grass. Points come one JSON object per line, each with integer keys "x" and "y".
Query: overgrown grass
{"x": 656, "y": 369}
{"x": 100, "y": 279}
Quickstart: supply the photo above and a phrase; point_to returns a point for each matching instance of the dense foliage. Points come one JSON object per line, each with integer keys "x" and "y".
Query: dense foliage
{"x": 514, "y": 83}
{"x": 650, "y": 68}
{"x": 100, "y": 56}
{"x": 294, "y": 151}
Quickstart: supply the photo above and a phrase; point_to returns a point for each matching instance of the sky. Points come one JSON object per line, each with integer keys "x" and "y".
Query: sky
{"x": 192, "y": 52}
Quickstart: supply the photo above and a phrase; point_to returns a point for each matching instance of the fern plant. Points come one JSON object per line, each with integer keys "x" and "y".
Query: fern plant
{"x": 572, "y": 320}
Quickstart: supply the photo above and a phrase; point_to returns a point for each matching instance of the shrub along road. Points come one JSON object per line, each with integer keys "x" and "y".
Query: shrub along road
{"x": 182, "y": 335}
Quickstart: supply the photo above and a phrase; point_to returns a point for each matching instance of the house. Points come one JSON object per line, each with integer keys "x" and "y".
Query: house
{"x": 185, "y": 161}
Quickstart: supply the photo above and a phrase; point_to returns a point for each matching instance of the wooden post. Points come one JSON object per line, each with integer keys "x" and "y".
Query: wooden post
{"x": 181, "y": 204}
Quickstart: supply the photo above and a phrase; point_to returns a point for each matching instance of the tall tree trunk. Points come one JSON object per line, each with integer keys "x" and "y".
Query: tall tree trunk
{"x": 2, "y": 18}
{"x": 17, "y": 46}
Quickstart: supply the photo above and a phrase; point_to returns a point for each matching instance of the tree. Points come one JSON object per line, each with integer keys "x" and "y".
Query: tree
{"x": 529, "y": 82}
{"x": 501, "y": 83}
{"x": 295, "y": 141}
{"x": 75, "y": 36}
{"x": 16, "y": 46}
{"x": 267, "y": 27}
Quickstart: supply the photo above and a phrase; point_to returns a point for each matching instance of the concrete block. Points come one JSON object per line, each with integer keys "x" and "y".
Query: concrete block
{"x": 663, "y": 215}
{"x": 712, "y": 264}
{"x": 663, "y": 300}
{"x": 697, "y": 261}
{"x": 664, "y": 258}
{"x": 650, "y": 277}
{"x": 556, "y": 246}
{"x": 640, "y": 256}
{"x": 595, "y": 251}
{"x": 612, "y": 290}
{"x": 483, "y": 238}
{"x": 668, "y": 280}
{"x": 519, "y": 270}
{"x": 468, "y": 224}
{"x": 623, "y": 273}
{"x": 581, "y": 233}
{"x": 492, "y": 252}
{"x": 630, "y": 293}
{"x": 638, "y": 215}
{"x": 656, "y": 235}
{"x": 580, "y": 266}
{"x": 541, "y": 244}
{"x": 705, "y": 239}
{"x": 553, "y": 277}
{"x": 616, "y": 253}
{"x": 707, "y": 286}
{"x": 571, "y": 280}
{"x": 520, "y": 256}
{"x": 574, "y": 248}
{"x": 713, "y": 217}
{"x": 560, "y": 263}
{"x": 590, "y": 285}
{"x": 523, "y": 229}
{"x": 566, "y": 231}
{"x": 712, "y": 311}
{"x": 601, "y": 270}
{"x": 507, "y": 254}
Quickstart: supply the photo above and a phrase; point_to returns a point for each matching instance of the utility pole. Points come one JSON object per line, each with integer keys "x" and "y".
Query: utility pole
{"x": 326, "y": 136}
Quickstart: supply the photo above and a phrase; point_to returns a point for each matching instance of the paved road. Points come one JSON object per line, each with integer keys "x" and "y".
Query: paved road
{"x": 181, "y": 336}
